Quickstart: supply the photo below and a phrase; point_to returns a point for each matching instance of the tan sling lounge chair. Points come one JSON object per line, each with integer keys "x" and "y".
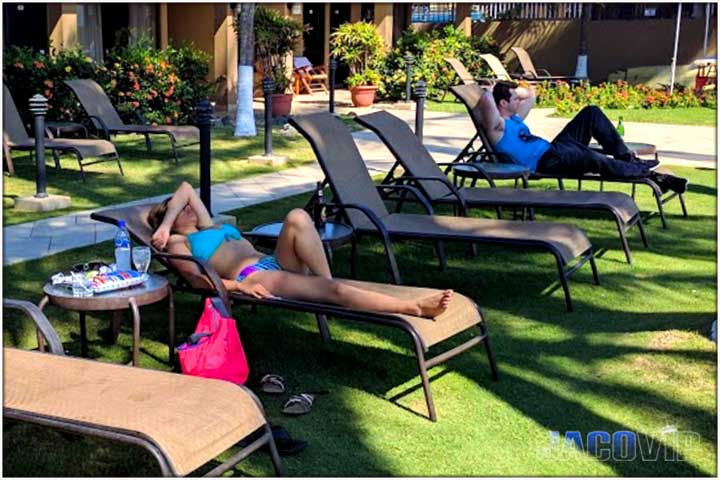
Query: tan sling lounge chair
{"x": 470, "y": 96}
{"x": 15, "y": 137}
{"x": 462, "y": 316}
{"x": 107, "y": 121}
{"x": 184, "y": 422}
{"x": 531, "y": 73}
{"x": 422, "y": 171}
{"x": 356, "y": 196}
{"x": 462, "y": 73}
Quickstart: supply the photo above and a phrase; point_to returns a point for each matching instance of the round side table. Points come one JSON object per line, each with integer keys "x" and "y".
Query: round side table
{"x": 154, "y": 289}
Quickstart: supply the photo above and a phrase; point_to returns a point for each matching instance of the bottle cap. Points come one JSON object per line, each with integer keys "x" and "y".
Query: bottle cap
{"x": 121, "y": 223}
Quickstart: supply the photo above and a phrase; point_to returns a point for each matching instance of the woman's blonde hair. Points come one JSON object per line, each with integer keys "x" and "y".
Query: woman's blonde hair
{"x": 156, "y": 215}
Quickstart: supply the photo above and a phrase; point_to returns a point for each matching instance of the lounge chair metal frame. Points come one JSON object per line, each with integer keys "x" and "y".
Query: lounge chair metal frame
{"x": 486, "y": 153}
{"x": 376, "y": 121}
{"x": 122, "y": 435}
{"x": 379, "y": 230}
{"x": 223, "y": 300}
{"x": 106, "y": 131}
{"x": 24, "y": 144}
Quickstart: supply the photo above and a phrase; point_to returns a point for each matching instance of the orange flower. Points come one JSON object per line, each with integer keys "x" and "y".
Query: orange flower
{"x": 121, "y": 94}
{"x": 38, "y": 64}
{"x": 149, "y": 68}
{"x": 135, "y": 104}
{"x": 20, "y": 65}
{"x": 49, "y": 83}
{"x": 48, "y": 94}
{"x": 136, "y": 86}
{"x": 168, "y": 121}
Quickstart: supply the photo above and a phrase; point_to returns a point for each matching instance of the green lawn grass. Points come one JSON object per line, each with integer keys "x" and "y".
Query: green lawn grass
{"x": 700, "y": 116}
{"x": 633, "y": 356}
{"x": 146, "y": 174}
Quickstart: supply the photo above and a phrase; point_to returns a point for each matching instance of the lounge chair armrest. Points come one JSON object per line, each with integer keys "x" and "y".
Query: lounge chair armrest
{"x": 49, "y": 134}
{"x": 207, "y": 270}
{"x": 41, "y": 322}
{"x": 448, "y": 184}
{"x": 500, "y": 156}
{"x": 103, "y": 126}
{"x": 416, "y": 192}
{"x": 543, "y": 72}
{"x": 140, "y": 118}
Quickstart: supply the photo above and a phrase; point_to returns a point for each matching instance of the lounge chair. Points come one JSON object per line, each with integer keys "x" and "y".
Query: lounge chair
{"x": 462, "y": 73}
{"x": 356, "y": 196}
{"x": 463, "y": 315}
{"x": 15, "y": 137}
{"x": 422, "y": 171}
{"x": 470, "y": 96}
{"x": 308, "y": 77}
{"x": 107, "y": 121}
{"x": 530, "y": 73}
{"x": 183, "y": 421}
{"x": 498, "y": 69}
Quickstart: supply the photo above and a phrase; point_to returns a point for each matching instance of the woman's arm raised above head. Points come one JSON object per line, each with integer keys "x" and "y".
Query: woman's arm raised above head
{"x": 183, "y": 196}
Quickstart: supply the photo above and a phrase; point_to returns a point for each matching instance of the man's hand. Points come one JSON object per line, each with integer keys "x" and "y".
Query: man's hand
{"x": 160, "y": 237}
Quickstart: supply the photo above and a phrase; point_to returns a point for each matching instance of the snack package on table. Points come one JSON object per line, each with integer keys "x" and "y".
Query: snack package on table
{"x": 116, "y": 280}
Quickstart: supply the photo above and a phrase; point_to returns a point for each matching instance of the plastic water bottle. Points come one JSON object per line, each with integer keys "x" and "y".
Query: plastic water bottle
{"x": 319, "y": 207}
{"x": 621, "y": 127}
{"x": 122, "y": 248}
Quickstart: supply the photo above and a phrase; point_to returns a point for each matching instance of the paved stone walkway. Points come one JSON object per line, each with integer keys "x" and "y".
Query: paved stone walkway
{"x": 444, "y": 135}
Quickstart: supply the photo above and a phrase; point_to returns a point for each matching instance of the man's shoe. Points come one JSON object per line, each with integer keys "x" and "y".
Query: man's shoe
{"x": 677, "y": 184}
{"x": 628, "y": 156}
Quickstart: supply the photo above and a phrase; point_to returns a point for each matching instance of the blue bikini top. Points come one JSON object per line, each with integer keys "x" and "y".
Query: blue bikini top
{"x": 204, "y": 243}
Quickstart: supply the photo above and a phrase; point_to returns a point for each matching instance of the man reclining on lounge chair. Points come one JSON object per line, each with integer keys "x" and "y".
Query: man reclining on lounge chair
{"x": 183, "y": 225}
{"x": 568, "y": 154}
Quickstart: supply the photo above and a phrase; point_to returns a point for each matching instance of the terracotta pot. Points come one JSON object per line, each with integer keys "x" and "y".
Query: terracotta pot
{"x": 281, "y": 104}
{"x": 363, "y": 95}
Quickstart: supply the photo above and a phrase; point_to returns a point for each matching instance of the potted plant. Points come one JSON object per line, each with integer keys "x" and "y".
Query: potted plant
{"x": 360, "y": 46}
{"x": 275, "y": 39}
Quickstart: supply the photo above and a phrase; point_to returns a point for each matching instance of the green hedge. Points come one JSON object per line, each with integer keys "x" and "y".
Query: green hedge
{"x": 161, "y": 85}
{"x": 429, "y": 50}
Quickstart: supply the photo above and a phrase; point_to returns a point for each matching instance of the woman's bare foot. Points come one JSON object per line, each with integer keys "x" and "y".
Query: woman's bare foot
{"x": 434, "y": 305}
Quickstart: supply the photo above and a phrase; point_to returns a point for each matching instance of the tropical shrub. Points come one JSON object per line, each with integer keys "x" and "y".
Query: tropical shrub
{"x": 161, "y": 85}
{"x": 429, "y": 50}
{"x": 360, "y": 46}
{"x": 275, "y": 39}
{"x": 566, "y": 98}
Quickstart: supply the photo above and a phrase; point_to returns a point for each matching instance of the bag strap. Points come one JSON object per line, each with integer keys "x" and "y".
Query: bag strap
{"x": 195, "y": 337}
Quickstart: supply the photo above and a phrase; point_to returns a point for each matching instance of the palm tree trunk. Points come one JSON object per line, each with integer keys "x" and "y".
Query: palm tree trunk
{"x": 244, "y": 117}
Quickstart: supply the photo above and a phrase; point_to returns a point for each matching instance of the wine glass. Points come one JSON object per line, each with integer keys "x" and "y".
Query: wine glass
{"x": 141, "y": 257}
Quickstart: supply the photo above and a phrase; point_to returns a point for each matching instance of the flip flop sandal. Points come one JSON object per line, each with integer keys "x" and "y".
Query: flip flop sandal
{"x": 298, "y": 404}
{"x": 273, "y": 384}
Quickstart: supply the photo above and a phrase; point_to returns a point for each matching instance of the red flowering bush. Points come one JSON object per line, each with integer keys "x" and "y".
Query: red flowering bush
{"x": 566, "y": 98}
{"x": 161, "y": 85}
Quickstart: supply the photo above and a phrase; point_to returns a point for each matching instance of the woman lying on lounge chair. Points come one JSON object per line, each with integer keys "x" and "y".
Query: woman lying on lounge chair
{"x": 298, "y": 270}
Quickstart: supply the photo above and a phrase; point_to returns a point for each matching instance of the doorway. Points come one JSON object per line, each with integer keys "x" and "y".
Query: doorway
{"x": 339, "y": 14}
{"x": 25, "y": 25}
{"x": 314, "y": 38}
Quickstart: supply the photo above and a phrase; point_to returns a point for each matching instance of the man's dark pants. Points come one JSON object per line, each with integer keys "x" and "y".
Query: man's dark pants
{"x": 569, "y": 154}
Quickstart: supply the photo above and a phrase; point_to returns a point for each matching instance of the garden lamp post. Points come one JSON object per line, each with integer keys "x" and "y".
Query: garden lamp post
{"x": 268, "y": 86}
{"x": 333, "y": 67}
{"x": 203, "y": 116}
{"x": 420, "y": 94}
{"x": 39, "y": 107}
{"x": 409, "y": 60}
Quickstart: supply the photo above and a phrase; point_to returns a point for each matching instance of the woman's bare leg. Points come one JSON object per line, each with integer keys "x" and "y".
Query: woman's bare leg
{"x": 320, "y": 289}
{"x": 299, "y": 247}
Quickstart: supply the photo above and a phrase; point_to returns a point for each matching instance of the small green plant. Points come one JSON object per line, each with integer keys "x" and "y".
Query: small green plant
{"x": 360, "y": 46}
{"x": 275, "y": 39}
